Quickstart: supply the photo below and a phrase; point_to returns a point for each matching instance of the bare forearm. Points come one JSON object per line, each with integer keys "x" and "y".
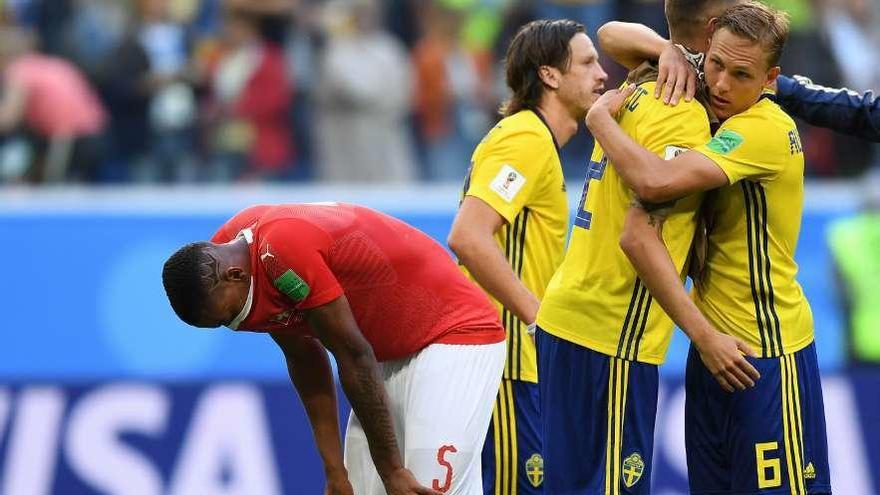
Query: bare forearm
{"x": 313, "y": 379}
{"x": 363, "y": 386}
{"x": 485, "y": 261}
{"x": 644, "y": 246}
{"x": 635, "y": 165}
{"x": 630, "y": 44}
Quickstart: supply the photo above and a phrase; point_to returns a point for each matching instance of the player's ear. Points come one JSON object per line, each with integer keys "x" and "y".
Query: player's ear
{"x": 709, "y": 32}
{"x": 235, "y": 274}
{"x": 711, "y": 26}
{"x": 772, "y": 74}
{"x": 549, "y": 76}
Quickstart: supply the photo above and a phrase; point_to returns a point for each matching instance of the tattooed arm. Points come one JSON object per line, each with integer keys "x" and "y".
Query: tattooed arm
{"x": 335, "y": 326}
{"x": 642, "y": 242}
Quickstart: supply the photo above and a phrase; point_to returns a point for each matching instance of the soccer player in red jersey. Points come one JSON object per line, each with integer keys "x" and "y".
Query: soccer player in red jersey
{"x": 419, "y": 348}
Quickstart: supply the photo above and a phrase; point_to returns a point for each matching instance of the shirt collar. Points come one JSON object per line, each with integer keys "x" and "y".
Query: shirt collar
{"x": 696, "y": 59}
{"x": 248, "y": 235}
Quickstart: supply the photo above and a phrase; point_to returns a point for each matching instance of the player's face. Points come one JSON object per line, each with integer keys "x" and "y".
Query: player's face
{"x": 224, "y": 303}
{"x": 584, "y": 80}
{"x": 736, "y": 73}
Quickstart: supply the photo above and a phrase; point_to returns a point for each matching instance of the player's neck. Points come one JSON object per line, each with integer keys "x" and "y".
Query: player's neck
{"x": 557, "y": 117}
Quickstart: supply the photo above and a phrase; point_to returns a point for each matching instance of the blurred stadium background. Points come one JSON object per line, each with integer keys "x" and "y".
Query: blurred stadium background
{"x": 128, "y": 128}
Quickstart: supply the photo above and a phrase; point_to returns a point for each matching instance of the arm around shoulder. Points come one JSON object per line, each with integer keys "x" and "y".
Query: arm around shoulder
{"x": 686, "y": 174}
{"x": 652, "y": 178}
{"x": 842, "y": 110}
{"x": 630, "y": 44}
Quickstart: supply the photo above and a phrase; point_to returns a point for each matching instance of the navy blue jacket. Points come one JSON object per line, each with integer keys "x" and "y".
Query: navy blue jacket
{"x": 842, "y": 110}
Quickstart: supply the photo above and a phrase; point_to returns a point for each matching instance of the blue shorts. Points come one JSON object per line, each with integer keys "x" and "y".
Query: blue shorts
{"x": 512, "y": 458}
{"x": 598, "y": 415}
{"x": 768, "y": 439}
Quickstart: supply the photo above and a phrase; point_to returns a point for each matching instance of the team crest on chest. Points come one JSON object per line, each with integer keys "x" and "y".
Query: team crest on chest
{"x": 633, "y": 467}
{"x": 535, "y": 470}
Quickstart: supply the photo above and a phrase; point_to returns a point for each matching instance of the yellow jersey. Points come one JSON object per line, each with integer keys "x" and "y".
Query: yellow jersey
{"x": 749, "y": 288}
{"x": 516, "y": 170}
{"x": 596, "y": 299}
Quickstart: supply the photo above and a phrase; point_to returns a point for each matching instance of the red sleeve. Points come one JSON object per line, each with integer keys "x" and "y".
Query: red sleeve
{"x": 293, "y": 254}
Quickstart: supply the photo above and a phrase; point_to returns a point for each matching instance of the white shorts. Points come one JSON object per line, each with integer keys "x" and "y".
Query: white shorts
{"x": 441, "y": 403}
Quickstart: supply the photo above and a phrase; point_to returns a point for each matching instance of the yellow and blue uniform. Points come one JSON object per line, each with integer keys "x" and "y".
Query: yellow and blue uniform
{"x": 769, "y": 438}
{"x": 600, "y": 335}
{"x": 516, "y": 170}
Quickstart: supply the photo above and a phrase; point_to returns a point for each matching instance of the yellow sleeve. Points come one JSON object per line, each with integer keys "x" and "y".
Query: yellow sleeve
{"x": 748, "y": 146}
{"x": 508, "y": 168}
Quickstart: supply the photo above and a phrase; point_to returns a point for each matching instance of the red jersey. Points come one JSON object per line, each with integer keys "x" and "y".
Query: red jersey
{"x": 405, "y": 291}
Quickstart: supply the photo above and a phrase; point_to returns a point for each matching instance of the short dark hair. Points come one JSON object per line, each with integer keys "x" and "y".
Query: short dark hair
{"x": 188, "y": 277}
{"x": 759, "y": 23}
{"x": 688, "y": 18}
{"x": 541, "y": 42}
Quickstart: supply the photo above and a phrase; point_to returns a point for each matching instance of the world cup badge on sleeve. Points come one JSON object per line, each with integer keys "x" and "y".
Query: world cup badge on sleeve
{"x": 287, "y": 281}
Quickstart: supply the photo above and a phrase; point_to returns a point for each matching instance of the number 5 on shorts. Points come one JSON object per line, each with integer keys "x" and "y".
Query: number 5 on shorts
{"x": 768, "y": 464}
{"x": 441, "y": 454}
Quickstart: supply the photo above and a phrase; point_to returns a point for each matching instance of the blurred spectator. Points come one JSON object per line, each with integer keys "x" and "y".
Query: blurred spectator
{"x": 251, "y": 98}
{"x": 805, "y": 40}
{"x": 851, "y": 27}
{"x": 808, "y": 52}
{"x": 50, "y": 100}
{"x": 205, "y": 89}
{"x": 147, "y": 86}
{"x": 363, "y": 95}
{"x": 49, "y": 20}
{"x": 96, "y": 28}
{"x": 449, "y": 94}
{"x": 300, "y": 51}
{"x": 399, "y": 15}
{"x": 853, "y": 242}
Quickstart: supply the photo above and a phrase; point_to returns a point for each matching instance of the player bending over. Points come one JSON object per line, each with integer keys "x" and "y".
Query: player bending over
{"x": 419, "y": 348}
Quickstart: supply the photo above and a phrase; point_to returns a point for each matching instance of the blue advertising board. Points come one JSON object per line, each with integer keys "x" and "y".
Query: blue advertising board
{"x": 252, "y": 437}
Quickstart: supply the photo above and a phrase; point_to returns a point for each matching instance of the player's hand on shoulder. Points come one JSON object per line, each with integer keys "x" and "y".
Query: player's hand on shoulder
{"x": 338, "y": 485}
{"x": 402, "y": 482}
{"x": 724, "y": 357}
{"x": 676, "y": 77}
{"x": 610, "y": 102}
